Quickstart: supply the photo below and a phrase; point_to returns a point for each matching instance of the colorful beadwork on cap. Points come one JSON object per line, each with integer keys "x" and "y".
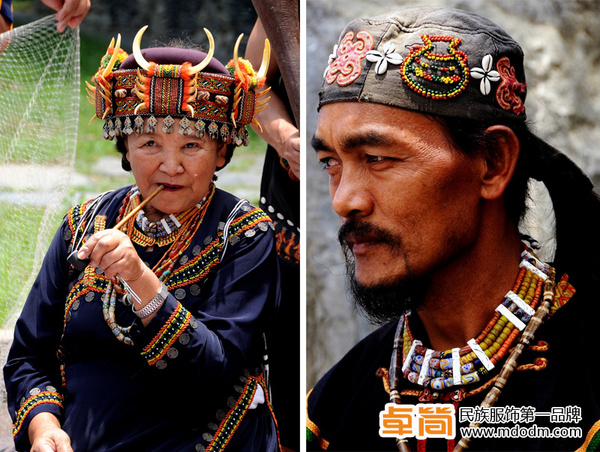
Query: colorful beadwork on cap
{"x": 510, "y": 90}
{"x": 436, "y": 75}
{"x": 347, "y": 65}
{"x": 129, "y": 100}
{"x": 422, "y": 56}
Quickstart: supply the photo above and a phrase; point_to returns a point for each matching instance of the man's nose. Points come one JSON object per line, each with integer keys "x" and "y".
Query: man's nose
{"x": 351, "y": 197}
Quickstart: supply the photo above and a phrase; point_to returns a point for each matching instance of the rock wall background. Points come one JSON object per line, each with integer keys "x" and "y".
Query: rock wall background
{"x": 561, "y": 41}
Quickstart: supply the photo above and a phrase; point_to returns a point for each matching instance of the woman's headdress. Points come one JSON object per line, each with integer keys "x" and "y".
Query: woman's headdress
{"x": 130, "y": 91}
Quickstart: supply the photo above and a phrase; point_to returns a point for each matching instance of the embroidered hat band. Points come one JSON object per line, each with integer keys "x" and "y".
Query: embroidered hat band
{"x": 434, "y": 60}
{"x": 131, "y": 91}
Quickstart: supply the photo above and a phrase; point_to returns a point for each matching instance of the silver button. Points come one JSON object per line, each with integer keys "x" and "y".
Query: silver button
{"x": 161, "y": 364}
{"x": 184, "y": 339}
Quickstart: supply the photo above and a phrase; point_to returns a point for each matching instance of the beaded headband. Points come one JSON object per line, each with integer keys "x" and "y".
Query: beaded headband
{"x": 440, "y": 61}
{"x": 129, "y": 92}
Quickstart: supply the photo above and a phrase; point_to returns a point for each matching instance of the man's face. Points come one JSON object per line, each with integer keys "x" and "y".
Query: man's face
{"x": 408, "y": 200}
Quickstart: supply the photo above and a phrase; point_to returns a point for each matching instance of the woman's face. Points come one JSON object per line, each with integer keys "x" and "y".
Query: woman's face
{"x": 184, "y": 164}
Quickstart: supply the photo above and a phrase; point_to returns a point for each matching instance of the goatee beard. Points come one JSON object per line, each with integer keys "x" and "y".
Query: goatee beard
{"x": 388, "y": 299}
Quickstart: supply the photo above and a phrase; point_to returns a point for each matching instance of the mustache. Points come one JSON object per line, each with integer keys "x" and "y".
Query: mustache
{"x": 354, "y": 230}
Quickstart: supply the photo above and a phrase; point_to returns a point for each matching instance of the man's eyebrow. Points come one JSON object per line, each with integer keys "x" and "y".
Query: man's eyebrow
{"x": 318, "y": 144}
{"x": 369, "y": 138}
{"x": 354, "y": 141}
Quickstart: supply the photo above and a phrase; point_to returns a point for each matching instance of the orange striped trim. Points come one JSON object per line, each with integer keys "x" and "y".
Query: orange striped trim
{"x": 168, "y": 334}
{"x": 32, "y": 402}
{"x": 589, "y": 437}
{"x": 312, "y": 427}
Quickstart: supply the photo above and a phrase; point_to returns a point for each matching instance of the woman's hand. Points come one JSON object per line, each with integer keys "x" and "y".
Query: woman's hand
{"x": 46, "y": 435}
{"x": 113, "y": 252}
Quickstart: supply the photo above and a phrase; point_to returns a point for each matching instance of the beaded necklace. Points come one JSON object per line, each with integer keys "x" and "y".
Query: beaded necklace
{"x": 182, "y": 237}
{"x": 162, "y": 232}
{"x": 462, "y": 366}
{"x": 442, "y": 369}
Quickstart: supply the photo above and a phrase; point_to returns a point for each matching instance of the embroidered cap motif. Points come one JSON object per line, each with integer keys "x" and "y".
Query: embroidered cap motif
{"x": 508, "y": 94}
{"x": 348, "y": 65}
{"x": 433, "y": 74}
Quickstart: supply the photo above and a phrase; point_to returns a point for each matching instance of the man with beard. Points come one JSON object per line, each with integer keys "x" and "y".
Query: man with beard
{"x": 422, "y": 132}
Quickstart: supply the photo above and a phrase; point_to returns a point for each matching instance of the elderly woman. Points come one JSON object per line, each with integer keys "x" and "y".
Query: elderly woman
{"x": 150, "y": 335}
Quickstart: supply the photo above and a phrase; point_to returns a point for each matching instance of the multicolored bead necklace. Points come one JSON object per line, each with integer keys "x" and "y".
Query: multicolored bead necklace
{"x": 182, "y": 237}
{"x": 165, "y": 227}
{"x": 462, "y": 366}
{"x": 159, "y": 233}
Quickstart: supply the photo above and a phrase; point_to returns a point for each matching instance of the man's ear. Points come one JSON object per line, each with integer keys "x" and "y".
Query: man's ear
{"x": 500, "y": 160}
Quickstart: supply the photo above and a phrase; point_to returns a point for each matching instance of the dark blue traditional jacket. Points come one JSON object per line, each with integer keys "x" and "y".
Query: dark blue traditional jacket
{"x": 190, "y": 378}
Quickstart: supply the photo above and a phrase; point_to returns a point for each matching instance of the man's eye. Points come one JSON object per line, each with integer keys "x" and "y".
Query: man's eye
{"x": 327, "y": 162}
{"x": 375, "y": 158}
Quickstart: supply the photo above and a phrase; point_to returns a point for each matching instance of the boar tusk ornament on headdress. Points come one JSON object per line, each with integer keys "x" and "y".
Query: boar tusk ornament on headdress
{"x": 129, "y": 92}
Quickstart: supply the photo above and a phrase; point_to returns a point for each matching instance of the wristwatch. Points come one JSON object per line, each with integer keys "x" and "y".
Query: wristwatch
{"x": 153, "y": 304}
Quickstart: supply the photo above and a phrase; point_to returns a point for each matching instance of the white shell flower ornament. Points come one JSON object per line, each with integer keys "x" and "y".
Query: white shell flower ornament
{"x": 486, "y": 74}
{"x": 382, "y": 59}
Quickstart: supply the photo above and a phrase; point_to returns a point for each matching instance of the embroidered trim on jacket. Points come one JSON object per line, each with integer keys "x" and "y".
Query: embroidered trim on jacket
{"x": 32, "y": 402}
